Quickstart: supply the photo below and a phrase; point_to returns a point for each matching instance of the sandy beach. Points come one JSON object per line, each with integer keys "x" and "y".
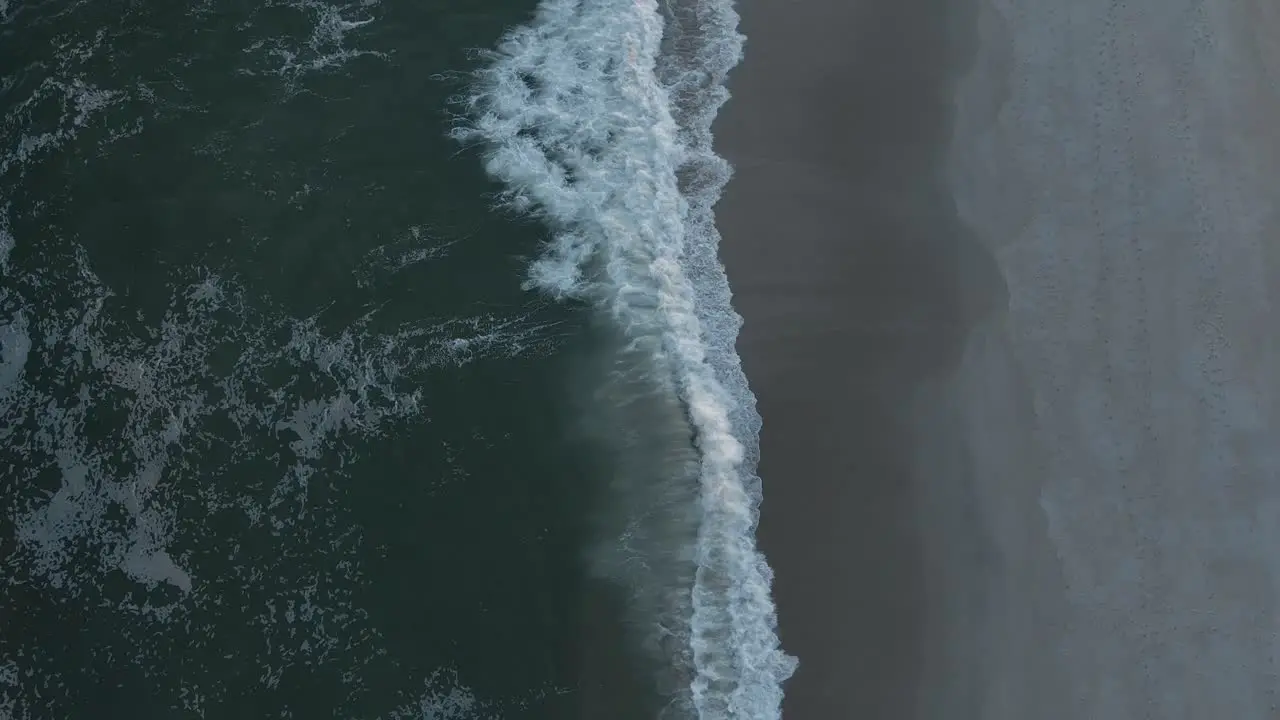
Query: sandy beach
{"x": 858, "y": 284}
{"x": 1008, "y": 271}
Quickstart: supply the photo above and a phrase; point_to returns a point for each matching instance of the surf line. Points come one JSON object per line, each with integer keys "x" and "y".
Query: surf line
{"x": 575, "y": 122}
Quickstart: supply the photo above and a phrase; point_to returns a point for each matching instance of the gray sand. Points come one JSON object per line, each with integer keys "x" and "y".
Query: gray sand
{"x": 1014, "y": 343}
{"x": 1122, "y": 163}
{"x": 857, "y": 283}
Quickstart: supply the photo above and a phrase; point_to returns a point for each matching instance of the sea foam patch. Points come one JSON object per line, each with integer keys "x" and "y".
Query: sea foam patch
{"x": 160, "y": 392}
{"x": 324, "y": 50}
{"x": 108, "y": 428}
{"x": 592, "y": 131}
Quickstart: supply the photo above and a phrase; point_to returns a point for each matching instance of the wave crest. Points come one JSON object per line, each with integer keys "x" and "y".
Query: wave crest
{"x": 592, "y": 129}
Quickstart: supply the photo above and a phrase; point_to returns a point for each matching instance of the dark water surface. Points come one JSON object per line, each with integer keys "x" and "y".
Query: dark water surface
{"x": 280, "y": 433}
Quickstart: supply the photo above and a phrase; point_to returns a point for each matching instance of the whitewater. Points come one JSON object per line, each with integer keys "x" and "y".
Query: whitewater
{"x": 596, "y": 118}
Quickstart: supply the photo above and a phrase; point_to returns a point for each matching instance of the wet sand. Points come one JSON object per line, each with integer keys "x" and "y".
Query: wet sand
{"x": 858, "y": 285}
{"x": 1008, "y": 277}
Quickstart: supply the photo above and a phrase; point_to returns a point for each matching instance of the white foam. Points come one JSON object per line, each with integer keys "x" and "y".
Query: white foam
{"x": 444, "y": 697}
{"x": 108, "y": 427}
{"x": 158, "y": 392}
{"x": 577, "y": 124}
{"x": 325, "y": 49}
{"x": 56, "y": 89}
{"x": 415, "y": 246}
{"x": 6, "y": 238}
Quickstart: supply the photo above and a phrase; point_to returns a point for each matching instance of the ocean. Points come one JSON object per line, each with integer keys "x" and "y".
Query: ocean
{"x": 373, "y": 360}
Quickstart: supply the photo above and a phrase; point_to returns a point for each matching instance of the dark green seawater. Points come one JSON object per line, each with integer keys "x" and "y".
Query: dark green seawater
{"x": 281, "y": 436}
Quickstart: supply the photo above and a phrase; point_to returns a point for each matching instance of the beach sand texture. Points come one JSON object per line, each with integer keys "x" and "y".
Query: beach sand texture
{"x": 1008, "y": 273}
{"x": 1121, "y": 161}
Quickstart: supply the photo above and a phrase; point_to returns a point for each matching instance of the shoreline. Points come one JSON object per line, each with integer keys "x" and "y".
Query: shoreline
{"x": 1017, "y": 402}
{"x": 858, "y": 285}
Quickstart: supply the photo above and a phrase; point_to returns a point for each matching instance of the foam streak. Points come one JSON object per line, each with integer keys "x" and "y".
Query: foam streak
{"x": 577, "y": 124}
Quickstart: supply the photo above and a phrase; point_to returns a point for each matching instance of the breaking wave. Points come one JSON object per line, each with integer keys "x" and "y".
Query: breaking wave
{"x": 596, "y": 117}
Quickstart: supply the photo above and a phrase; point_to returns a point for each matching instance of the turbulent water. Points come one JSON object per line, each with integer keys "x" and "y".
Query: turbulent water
{"x": 281, "y": 432}
{"x": 578, "y": 111}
